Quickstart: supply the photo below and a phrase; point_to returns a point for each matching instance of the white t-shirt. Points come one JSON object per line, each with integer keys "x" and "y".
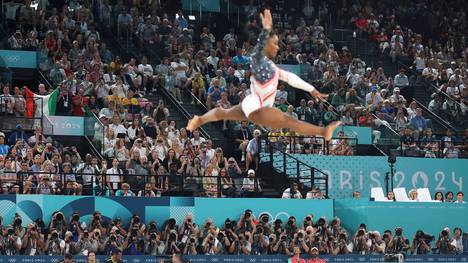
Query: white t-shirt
{"x": 180, "y": 73}
{"x": 146, "y": 69}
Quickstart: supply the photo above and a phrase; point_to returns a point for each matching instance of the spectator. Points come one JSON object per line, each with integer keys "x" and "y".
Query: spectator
{"x": 401, "y": 80}
{"x": 292, "y": 192}
{"x": 250, "y": 185}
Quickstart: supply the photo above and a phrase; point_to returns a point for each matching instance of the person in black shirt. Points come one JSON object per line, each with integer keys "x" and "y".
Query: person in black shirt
{"x": 150, "y": 128}
{"x": 407, "y": 140}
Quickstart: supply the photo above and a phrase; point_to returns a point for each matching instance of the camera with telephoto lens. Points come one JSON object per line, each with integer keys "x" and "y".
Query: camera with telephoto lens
{"x": 97, "y": 217}
{"x": 59, "y": 216}
{"x": 113, "y": 238}
{"x": 54, "y": 235}
{"x": 152, "y": 226}
{"x": 75, "y": 217}
{"x": 361, "y": 233}
{"x": 421, "y": 236}
{"x": 136, "y": 219}
{"x": 171, "y": 223}
{"x": 18, "y": 221}
{"x": 265, "y": 218}
{"x": 283, "y": 238}
{"x": 248, "y": 213}
{"x": 227, "y": 225}
{"x": 10, "y": 231}
{"x": 321, "y": 222}
{"x": 134, "y": 232}
{"x": 220, "y": 235}
{"x": 308, "y": 218}
{"x": 192, "y": 240}
{"x": 259, "y": 229}
{"x": 300, "y": 235}
{"x": 398, "y": 231}
{"x": 153, "y": 236}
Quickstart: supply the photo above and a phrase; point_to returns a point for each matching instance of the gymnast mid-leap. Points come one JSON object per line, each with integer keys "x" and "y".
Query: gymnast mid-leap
{"x": 258, "y": 106}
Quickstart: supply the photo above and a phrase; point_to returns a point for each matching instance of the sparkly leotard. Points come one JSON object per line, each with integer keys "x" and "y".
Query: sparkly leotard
{"x": 265, "y": 77}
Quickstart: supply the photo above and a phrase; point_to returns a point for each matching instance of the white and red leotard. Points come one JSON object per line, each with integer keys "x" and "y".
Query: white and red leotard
{"x": 264, "y": 79}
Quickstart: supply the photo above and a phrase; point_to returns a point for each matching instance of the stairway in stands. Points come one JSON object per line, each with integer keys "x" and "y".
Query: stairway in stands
{"x": 180, "y": 112}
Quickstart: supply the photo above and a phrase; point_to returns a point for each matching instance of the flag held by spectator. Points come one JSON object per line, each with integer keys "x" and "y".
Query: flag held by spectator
{"x": 36, "y": 105}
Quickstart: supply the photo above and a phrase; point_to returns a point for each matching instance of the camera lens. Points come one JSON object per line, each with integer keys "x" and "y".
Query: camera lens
{"x": 11, "y": 231}
{"x": 18, "y": 221}
{"x": 153, "y": 236}
{"x": 308, "y": 218}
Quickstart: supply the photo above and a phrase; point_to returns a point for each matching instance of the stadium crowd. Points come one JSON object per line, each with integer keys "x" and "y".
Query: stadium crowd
{"x": 246, "y": 235}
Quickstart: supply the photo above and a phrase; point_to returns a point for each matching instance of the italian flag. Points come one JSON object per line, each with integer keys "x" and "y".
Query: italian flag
{"x": 36, "y": 105}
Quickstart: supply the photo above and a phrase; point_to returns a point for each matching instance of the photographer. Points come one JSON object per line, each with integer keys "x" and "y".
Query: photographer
{"x": 300, "y": 242}
{"x": 335, "y": 227}
{"x": 291, "y": 227}
{"x": 87, "y": 243}
{"x": 54, "y": 245}
{"x": 307, "y": 221}
{"x": 171, "y": 245}
{"x": 377, "y": 245}
{"x": 444, "y": 243}
{"x": 134, "y": 243}
{"x": 17, "y": 226}
{"x": 70, "y": 244}
{"x": 153, "y": 245}
{"x": 170, "y": 225}
{"x": 33, "y": 241}
{"x": 115, "y": 240}
{"x": 322, "y": 229}
{"x": 245, "y": 243}
{"x": 264, "y": 221}
{"x": 191, "y": 246}
{"x": 421, "y": 243}
{"x": 457, "y": 241}
{"x": 246, "y": 221}
{"x": 188, "y": 228}
{"x": 58, "y": 223}
{"x": 211, "y": 245}
{"x": 282, "y": 246}
{"x": 11, "y": 243}
{"x": 260, "y": 241}
{"x": 343, "y": 246}
{"x": 75, "y": 226}
{"x": 96, "y": 222}
{"x": 360, "y": 241}
{"x": 233, "y": 246}
{"x": 398, "y": 244}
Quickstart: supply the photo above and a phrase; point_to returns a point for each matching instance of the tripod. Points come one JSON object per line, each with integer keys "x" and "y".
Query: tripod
{"x": 389, "y": 175}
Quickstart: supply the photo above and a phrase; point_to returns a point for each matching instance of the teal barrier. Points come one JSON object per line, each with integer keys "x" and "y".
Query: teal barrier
{"x": 31, "y": 207}
{"x": 429, "y": 217}
{"x": 201, "y": 5}
{"x": 361, "y": 173}
{"x": 18, "y": 59}
{"x": 67, "y": 125}
{"x": 362, "y": 134}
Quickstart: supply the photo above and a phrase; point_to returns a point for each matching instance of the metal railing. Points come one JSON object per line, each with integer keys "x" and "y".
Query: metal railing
{"x": 61, "y": 183}
{"x": 433, "y": 149}
{"x": 296, "y": 170}
{"x": 439, "y": 120}
{"x": 317, "y": 145}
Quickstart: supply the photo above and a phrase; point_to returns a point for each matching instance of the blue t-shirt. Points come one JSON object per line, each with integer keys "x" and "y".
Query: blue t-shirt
{"x": 215, "y": 96}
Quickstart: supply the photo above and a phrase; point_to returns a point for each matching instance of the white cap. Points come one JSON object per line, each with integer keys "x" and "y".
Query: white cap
{"x": 251, "y": 171}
